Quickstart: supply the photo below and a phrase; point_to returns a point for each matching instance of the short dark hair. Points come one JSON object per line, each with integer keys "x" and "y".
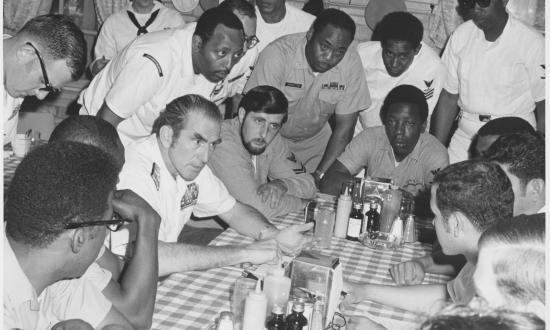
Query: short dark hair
{"x": 242, "y": 7}
{"x": 265, "y": 99}
{"x": 405, "y": 94}
{"x": 336, "y": 18}
{"x": 459, "y": 317}
{"x": 91, "y": 130}
{"x": 523, "y": 154}
{"x": 400, "y": 26}
{"x": 213, "y": 17}
{"x": 478, "y": 189}
{"x": 176, "y": 113}
{"x": 60, "y": 39}
{"x": 54, "y": 184}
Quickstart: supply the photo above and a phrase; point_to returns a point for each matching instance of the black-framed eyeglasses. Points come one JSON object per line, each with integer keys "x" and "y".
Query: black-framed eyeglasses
{"x": 251, "y": 41}
{"x": 113, "y": 225}
{"x": 49, "y": 88}
{"x": 472, "y": 3}
{"x": 338, "y": 322}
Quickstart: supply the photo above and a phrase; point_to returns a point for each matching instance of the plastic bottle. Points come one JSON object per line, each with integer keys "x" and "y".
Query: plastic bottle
{"x": 409, "y": 234}
{"x": 296, "y": 320}
{"x": 277, "y": 321}
{"x": 343, "y": 210}
{"x": 317, "y": 317}
{"x": 254, "y": 309}
{"x": 226, "y": 321}
{"x": 276, "y": 288}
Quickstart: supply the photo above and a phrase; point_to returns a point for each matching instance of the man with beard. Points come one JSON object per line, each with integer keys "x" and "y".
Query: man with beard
{"x": 400, "y": 150}
{"x": 160, "y": 66}
{"x": 254, "y": 161}
{"x": 495, "y": 68}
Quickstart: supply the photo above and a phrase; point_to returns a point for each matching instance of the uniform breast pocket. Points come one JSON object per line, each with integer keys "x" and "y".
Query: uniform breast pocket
{"x": 511, "y": 77}
{"x": 328, "y": 101}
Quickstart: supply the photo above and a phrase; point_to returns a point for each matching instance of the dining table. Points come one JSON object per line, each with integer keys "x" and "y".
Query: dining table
{"x": 193, "y": 300}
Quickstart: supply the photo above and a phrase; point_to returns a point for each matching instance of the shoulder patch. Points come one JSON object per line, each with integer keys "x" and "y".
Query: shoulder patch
{"x": 155, "y": 175}
{"x": 155, "y": 62}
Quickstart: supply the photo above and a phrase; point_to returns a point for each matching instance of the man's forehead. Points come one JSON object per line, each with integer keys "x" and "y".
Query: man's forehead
{"x": 225, "y": 36}
{"x": 269, "y": 117}
{"x": 200, "y": 124}
{"x": 397, "y": 45}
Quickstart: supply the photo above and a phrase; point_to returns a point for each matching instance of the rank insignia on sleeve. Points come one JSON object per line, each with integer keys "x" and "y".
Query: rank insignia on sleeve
{"x": 543, "y": 70}
{"x": 295, "y": 85}
{"x": 155, "y": 175}
{"x": 190, "y": 197}
{"x": 429, "y": 91}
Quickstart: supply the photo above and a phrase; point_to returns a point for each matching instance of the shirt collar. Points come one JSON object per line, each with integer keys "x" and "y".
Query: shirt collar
{"x": 17, "y": 287}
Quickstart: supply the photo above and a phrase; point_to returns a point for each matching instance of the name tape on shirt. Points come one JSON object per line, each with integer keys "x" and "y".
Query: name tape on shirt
{"x": 155, "y": 175}
{"x": 190, "y": 197}
{"x": 295, "y": 85}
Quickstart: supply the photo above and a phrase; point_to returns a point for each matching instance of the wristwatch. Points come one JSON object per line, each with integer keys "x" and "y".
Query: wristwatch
{"x": 317, "y": 176}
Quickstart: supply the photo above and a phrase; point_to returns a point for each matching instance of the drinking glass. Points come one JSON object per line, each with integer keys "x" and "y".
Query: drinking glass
{"x": 324, "y": 227}
{"x": 241, "y": 289}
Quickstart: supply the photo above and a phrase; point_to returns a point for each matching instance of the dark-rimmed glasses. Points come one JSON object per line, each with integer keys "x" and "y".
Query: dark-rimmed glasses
{"x": 472, "y": 3}
{"x": 251, "y": 41}
{"x": 49, "y": 88}
{"x": 113, "y": 225}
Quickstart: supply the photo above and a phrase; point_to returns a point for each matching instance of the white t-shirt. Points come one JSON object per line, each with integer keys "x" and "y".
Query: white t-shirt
{"x": 295, "y": 21}
{"x": 174, "y": 199}
{"x": 79, "y": 298}
{"x": 500, "y": 78}
{"x": 118, "y": 30}
{"x": 11, "y": 112}
{"x": 425, "y": 72}
{"x": 147, "y": 75}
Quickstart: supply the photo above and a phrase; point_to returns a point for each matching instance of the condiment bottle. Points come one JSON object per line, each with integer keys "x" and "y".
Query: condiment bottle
{"x": 355, "y": 222}
{"x": 343, "y": 210}
{"x": 409, "y": 234}
{"x": 373, "y": 219}
{"x": 397, "y": 230}
{"x": 317, "y": 317}
{"x": 277, "y": 321}
{"x": 254, "y": 309}
{"x": 225, "y": 321}
{"x": 296, "y": 320}
{"x": 276, "y": 288}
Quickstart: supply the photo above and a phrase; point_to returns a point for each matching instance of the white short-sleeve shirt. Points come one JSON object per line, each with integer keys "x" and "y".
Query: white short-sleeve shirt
{"x": 10, "y": 111}
{"x": 426, "y": 72}
{"x": 501, "y": 78}
{"x": 118, "y": 30}
{"x": 79, "y": 298}
{"x": 174, "y": 199}
{"x": 140, "y": 81}
{"x": 295, "y": 21}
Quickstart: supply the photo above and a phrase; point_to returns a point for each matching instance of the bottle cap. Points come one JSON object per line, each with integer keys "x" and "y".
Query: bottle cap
{"x": 298, "y": 306}
{"x": 277, "y": 309}
{"x": 226, "y": 316}
{"x": 257, "y": 294}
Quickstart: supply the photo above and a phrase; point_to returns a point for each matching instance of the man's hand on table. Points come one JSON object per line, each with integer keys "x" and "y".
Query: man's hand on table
{"x": 408, "y": 273}
{"x": 263, "y": 252}
{"x": 131, "y": 206}
{"x": 272, "y": 192}
{"x": 292, "y": 240}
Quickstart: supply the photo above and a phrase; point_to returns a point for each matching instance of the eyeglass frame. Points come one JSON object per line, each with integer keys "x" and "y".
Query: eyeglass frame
{"x": 113, "y": 225}
{"x": 251, "y": 41}
{"x": 471, "y": 4}
{"x": 49, "y": 88}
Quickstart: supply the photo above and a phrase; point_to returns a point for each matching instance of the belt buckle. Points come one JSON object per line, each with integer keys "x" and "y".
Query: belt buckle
{"x": 484, "y": 118}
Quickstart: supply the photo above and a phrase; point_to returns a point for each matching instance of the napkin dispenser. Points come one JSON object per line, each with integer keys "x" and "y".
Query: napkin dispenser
{"x": 321, "y": 277}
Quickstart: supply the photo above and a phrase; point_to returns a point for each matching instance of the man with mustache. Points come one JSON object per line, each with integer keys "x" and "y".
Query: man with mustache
{"x": 161, "y": 66}
{"x": 495, "y": 68}
{"x": 318, "y": 73}
{"x": 254, "y": 161}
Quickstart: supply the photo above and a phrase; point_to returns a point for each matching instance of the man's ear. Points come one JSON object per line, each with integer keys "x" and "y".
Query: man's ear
{"x": 25, "y": 54}
{"x": 196, "y": 43}
{"x": 423, "y": 127}
{"x": 309, "y": 33}
{"x": 241, "y": 113}
{"x": 417, "y": 49}
{"x": 535, "y": 188}
{"x": 457, "y": 223}
{"x": 166, "y": 134}
{"x": 536, "y": 307}
{"x": 78, "y": 239}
